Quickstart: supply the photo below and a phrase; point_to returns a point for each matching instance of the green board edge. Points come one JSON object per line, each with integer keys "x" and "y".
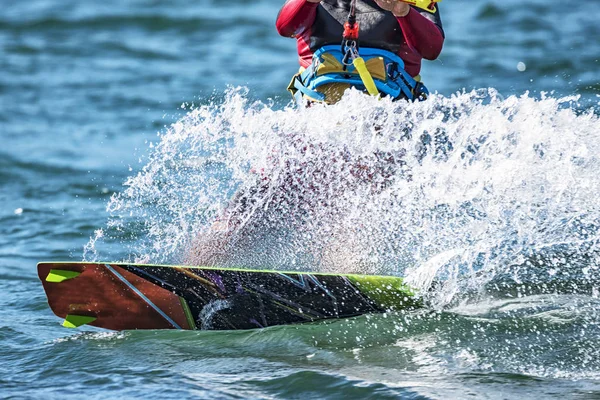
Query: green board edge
{"x": 388, "y": 292}
{"x": 120, "y": 263}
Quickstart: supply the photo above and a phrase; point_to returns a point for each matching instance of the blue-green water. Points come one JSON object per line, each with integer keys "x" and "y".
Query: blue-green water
{"x": 507, "y": 218}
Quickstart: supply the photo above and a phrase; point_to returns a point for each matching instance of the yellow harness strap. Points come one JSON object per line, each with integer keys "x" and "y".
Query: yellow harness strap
{"x": 365, "y": 76}
{"x": 427, "y": 5}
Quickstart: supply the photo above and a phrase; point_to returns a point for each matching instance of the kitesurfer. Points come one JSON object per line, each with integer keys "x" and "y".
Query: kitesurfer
{"x": 389, "y": 38}
{"x": 390, "y": 35}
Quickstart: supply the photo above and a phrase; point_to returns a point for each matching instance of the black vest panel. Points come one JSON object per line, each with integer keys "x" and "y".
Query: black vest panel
{"x": 378, "y": 28}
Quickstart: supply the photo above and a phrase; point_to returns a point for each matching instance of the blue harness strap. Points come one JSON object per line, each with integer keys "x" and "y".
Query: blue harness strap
{"x": 303, "y": 90}
{"x": 398, "y": 84}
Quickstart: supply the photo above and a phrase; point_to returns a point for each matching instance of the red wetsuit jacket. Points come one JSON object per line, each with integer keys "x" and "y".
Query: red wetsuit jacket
{"x": 416, "y": 36}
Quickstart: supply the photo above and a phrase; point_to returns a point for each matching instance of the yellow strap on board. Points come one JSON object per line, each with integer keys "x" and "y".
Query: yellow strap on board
{"x": 365, "y": 76}
{"x": 427, "y": 5}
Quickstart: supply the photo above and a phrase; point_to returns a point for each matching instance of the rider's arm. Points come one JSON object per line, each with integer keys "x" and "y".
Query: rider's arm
{"x": 423, "y": 32}
{"x": 295, "y": 17}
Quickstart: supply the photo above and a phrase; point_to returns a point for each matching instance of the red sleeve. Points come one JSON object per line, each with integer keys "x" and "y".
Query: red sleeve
{"x": 295, "y": 17}
{"x": 422, "y": 34}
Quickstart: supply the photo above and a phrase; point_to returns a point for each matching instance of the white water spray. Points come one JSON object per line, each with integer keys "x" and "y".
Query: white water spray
{"x": 467, "y": 186}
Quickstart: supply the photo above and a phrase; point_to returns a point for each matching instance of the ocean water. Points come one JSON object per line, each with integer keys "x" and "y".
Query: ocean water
{"x": 126, "y": 126}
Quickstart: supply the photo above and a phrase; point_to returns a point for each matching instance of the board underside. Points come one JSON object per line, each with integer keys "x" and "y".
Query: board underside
{"x": 121, "y": 296}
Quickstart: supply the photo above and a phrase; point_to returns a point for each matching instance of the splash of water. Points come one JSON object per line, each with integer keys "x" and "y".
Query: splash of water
{"x": 472, "y": 185}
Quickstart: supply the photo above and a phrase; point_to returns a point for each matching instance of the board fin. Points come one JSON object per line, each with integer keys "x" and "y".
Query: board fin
{"x": 61, "y": 275}
{"x": 75, "y": 321}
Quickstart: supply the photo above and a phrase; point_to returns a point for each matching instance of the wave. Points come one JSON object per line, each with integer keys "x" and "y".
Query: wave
{"x": 146, "y": 22}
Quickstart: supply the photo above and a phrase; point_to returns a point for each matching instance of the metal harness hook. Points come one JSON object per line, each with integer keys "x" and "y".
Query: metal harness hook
{"x": 350, "y": 37}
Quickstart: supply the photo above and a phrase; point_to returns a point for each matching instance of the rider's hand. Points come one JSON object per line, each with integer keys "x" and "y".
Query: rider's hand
{"x": 397, "y": 7}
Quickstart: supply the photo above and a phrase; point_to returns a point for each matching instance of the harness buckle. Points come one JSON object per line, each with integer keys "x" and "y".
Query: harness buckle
{"x": 350, "y": 51}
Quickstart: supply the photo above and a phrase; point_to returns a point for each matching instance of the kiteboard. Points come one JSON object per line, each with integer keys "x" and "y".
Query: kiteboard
{"x": 120, "y": 296}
